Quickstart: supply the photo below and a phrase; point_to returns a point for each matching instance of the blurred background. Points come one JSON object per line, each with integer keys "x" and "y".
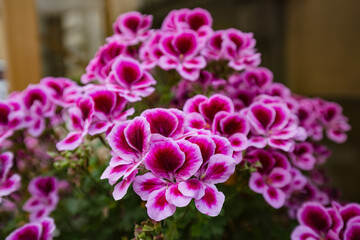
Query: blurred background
{"x": 312, "y": 46}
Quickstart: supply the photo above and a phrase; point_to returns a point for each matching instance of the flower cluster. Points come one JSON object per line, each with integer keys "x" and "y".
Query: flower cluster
{"x": 334, "y": 222}
{"x": 227, "y": 115}
{"x": 179, "y": 164}
{"x": 44, "y": 197}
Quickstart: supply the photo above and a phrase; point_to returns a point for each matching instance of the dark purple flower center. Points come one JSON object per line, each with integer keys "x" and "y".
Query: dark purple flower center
{"x": 330, "y": 114}
{"x": 104, "y": 102}
{"x": 56, "y": 87}
{"x": 197, "y": 20}
{"x": 46, "y": 185}
{"x": 185, "y": 43}
{"x": 315, "y": 218}
{"x": 35, "y": 95}
{"x": 132, "y": 23}
{"x": 29, "y": 233}
{"x": 4, "y": 114}
{"x": 263, "y": 115}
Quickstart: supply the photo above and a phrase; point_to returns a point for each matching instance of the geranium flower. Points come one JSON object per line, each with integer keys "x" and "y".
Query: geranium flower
{"x": 37, "y": 106}
{"x": 170, "y": 163}
{"x": 80, "y": 119}
{"x": 8, "y": 183}
{"x": 201, "y": 111}
{"x": 271, "y": 124}
{"x": 132, "y": 27}
{"x": 303, "y": 156}
{"x": 61, "y": 91}
{"x": 44, "y": 197}
{"x": 217, "y": 166}
{"x": 100, "y": 66}
{"x": 271, "y": 176}
{"x": 129, "y": 80}
{"x": 129, "y": 142}
{"x": 181, "y": 53}
{"x": 239, "y": 49}
{"x": 109, "y": 108}
{"x": 316, "y": 222}
{"x": 42, "y": 230}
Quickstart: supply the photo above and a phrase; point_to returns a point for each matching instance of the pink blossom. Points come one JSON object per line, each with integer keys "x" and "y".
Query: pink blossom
{"x": 61, "y": 91}
{"x": 109, "y": 108}
{"x": 37, "y": 107}
{"x": 166, "y": 122}
{"x": 272, "y": 175}
{"x": 44, "y": 197}
{"x": 201, "y": 111}
{"x": 132, "y": 27}
{"x": 9, "y": 183}
{"x": 181, "y": 52}
{"x": 129, "y": 79}
{"x": 217, "y": 166}
{"x": 100, "y": 66}
{"x": 80, "y": 119}
{"x": 42, "y": 230}
{"x": 169, "y": 163}
{"x": 271, "y": 124}
{"x": 150, "y": 52}
{"x": 129, "y": 142}
{"x": 11, "y": 118}
{"x": 303, "y": 156}
{"x": 239, "y": 49}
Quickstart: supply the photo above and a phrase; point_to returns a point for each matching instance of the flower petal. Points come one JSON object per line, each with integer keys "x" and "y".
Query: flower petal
{"x": 206, "y": 144}
{"x": 304, "y": 233}
{"x": 119, "y": 144}
{"x": 164, "y": 159}
{"x": 315, "y": 216}
{"x": 6, "y": 163}
{"x": 121, "y": 188}
{"x": 145, "y": 184}
{"x": 219, "y": 169}
{"x": 158, "y": 208}
{"x": 275, "y": 197}
{"x": 279, "y": 177}
{"x": 215, "y": 104}
{"x": 70, "y": 142}
{"x": 10, "y": 185}
{"x": 175, "y": 197}
{"x": 193, "y": 160}
{"x": 256, "y": 183}
{"x": 137, "y": 134}
{"x": 161, "y": 121}
{"x": 212, "y": 202}
{"x": 31, "y": 231}
{"x": 192, "y": 188}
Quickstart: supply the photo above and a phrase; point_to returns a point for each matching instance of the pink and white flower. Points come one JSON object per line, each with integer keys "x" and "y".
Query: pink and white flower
{"x": 44, "y": 197}
{"x": 132, "y": 27}
{"x": 37, "y": 107}
{"x": 181, "y": 52}
{"x": 42, "y": 230}
{"x": 170, "y": 163}
{"x": 239, "y": 49}
{"x": 217, "y": 166}
{"x": 80, "y": 119}
{"x": 271, "y": 124}
{"x": 271, "y": 176}
{"x": 129, "y": 142}
{"x": 129, "y": 79}
{"x": 8, "y": 183}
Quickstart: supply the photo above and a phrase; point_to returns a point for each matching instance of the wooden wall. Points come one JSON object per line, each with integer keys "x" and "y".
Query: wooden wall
{"x": 21, "y": 42}
{"x": 323, "y": 47}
